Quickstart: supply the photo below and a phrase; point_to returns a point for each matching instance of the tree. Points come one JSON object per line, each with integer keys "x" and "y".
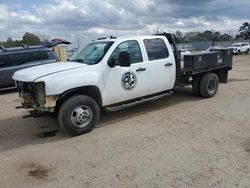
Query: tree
{"x": 201, "y": 37}
{"x": 226, "y": 37}
{"x": 216, "y": 36}
{"x": 11, "y": 43}
{"x": 208, "y": 35}
{"x": 245, "y": 30}
{"x": 31, "y": 39}
{"x": 191, "y": 36}
{"x": 28, "y": 38}
{"x": 179, "y": 37}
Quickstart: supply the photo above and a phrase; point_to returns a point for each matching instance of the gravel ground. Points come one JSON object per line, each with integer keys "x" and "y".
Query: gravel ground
{"x": 180, "y": 141}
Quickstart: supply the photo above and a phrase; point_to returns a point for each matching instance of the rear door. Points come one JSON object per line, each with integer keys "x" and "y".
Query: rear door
{"x": 126, "y": 83}
{"x": 244, "y": 47}
{"x": 161, "y": 65}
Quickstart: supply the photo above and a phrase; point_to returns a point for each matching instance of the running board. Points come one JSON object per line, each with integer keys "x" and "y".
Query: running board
{"x": 135, "y": 103}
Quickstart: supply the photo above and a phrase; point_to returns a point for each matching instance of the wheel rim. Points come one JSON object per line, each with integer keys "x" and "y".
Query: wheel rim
{"x": 81, "y": 116}
{"x": 211, "y": 86}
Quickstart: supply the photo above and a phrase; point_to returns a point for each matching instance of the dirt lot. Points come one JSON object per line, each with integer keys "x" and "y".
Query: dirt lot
{"x": 180, "y": 141}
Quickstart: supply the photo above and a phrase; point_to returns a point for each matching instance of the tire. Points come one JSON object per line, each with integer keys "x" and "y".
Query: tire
{"x": 209, "y": 84}
{"x": 79, "y": 115}
{"x": 247, "y": 52}
{"x": 238, "y": 53}
{"x": 195, "y": 85}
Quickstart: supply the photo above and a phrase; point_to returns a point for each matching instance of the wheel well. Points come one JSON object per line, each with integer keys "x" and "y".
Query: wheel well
{"x": 222, "y": 75}
{"x": 91, "y": 91}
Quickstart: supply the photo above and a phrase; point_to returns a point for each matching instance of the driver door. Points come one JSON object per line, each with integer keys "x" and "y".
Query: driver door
{"x": 126, "y": 83}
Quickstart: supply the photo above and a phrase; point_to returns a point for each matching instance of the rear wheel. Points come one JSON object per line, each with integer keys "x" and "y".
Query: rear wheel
{"x": 79, "y": 115}
{"x": 209, "y": 84}
{"x": 238, "y": 53}
{"x": 247, "y": 52}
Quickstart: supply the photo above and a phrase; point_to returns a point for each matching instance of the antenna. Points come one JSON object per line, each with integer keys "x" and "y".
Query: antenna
{"x": 157, "y": 30}
{"x": 112, "y": 37}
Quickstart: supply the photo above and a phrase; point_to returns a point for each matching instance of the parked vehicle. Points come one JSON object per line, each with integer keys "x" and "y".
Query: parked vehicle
{"x": 239, "y": 48}
{"x": 13, "y": 59}
{"x": 212, "y": 48}
{"x": 116, "y": 73}
{"x": 184, "y": 52}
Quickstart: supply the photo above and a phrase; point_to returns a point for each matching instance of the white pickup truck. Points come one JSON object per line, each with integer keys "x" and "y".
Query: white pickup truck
{"x": 115, "y": 73}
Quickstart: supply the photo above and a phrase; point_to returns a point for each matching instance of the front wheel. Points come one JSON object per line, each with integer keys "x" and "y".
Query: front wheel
{"x": 79, "y": 115}
{"x": 209, "y": 85}
{"x": 247, "y": 52}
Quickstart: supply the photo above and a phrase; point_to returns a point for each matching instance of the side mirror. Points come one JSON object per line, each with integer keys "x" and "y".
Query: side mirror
{"x": 111, "y": 62}
{"x": 124, "y": 59}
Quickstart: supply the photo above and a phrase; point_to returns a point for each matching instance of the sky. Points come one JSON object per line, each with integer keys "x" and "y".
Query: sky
{"x": 85, "y": 20}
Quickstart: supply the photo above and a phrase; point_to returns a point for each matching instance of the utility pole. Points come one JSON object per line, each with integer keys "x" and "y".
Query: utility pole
{"x": 78, "y": 43}
{"x": 157, "y": 30}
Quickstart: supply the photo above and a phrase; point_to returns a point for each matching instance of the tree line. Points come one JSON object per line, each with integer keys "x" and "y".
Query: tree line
{"x": 202, "y": 36}
{"x": 243, "y": 33}
{"x": 28, "y": 39}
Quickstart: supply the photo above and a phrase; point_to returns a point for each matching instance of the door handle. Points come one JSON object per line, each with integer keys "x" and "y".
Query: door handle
{"x": 168, "y": 64}
{"x": 140, "y": 69}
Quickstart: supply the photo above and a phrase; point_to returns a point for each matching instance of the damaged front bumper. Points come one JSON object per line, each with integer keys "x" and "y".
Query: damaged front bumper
{"x": 34, "y": 97}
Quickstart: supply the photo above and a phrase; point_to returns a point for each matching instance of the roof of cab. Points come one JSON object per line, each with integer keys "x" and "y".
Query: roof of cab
{"x": 127, "y": 37}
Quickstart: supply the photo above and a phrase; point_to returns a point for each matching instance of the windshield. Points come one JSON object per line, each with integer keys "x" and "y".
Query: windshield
{"x": 92, "y": 53}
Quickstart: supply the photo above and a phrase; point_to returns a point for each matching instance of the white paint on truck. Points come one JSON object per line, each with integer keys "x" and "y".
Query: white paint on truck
{"x": 61, "y": 77}
{"x": 116, "y": 73}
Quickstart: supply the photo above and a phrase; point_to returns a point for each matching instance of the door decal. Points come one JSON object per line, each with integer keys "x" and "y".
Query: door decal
{"x": 129, "y": 80}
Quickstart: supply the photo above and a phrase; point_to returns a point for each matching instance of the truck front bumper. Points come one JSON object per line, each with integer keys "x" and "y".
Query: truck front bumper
{"x": 34, "y": 96}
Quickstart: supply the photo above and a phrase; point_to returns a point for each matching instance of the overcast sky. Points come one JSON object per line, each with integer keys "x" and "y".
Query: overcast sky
{"x": 88, "y": 19}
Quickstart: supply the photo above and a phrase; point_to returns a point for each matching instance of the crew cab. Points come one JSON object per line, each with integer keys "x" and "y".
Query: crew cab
{"x": 115, "y": 73}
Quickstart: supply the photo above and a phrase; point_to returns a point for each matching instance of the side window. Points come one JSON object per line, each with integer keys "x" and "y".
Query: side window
{"x": 51, "y": 55}
{"x": 16, "y": 59}
{"x": 132, "y": 47}
{"x": 39, "y": 55}
{"x": 4, "y": 61}
{"x": 156, "y": 49}
{"x": 19, "y": 58}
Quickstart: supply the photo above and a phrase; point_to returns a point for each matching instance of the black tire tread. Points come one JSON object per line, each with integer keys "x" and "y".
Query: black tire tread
{"x": 195, "y": 85}
{"x": 203, "y": 84}
{"x": 64, "y": 107}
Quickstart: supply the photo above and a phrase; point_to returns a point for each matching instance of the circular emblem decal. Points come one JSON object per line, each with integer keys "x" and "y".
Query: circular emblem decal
{"x": 129, "y": 80}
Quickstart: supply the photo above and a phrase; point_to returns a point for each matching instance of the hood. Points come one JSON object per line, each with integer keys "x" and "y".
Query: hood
{"x": 33, "y": 73}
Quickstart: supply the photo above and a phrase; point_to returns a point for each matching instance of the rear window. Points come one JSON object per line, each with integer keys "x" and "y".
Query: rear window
{"x": 156, "y": 49}
{"x": 8, "y": 60}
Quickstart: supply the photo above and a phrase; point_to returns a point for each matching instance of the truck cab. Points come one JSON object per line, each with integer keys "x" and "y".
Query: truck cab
{"x": 146, "y": 73}
{"x": 110, "y": 74}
